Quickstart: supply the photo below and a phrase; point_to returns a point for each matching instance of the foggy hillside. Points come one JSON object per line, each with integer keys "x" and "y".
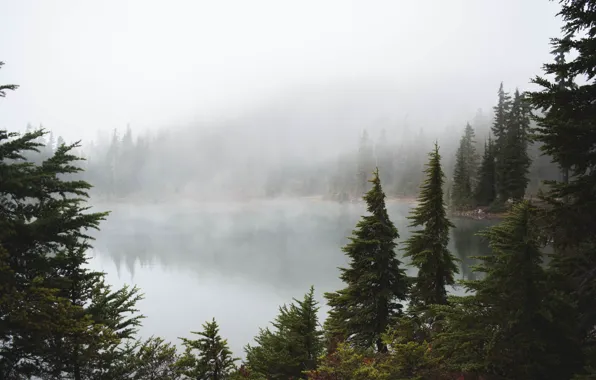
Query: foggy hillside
{"x": 297, "y": 141}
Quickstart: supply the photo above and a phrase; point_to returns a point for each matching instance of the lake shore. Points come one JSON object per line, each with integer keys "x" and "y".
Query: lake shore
{"x": 478, "y": 214}
{"x": 185, "y": 198}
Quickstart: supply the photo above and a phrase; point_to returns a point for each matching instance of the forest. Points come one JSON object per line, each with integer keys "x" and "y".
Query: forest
{"x": 122, "y": 167}
{"x": 528, "y": 314}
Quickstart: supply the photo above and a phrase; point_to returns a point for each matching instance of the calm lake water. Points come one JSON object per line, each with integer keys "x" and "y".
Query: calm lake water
{"x": 238, "y": 262}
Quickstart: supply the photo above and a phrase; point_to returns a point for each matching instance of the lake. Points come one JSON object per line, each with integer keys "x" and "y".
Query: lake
{"x": 238, "y": 261}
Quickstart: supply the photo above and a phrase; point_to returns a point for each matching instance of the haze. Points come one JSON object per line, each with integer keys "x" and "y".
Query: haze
{"x": 84, "y": 66}
{"x": 245, "y": 130}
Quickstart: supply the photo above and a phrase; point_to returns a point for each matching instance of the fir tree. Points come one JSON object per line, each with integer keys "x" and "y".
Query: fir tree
{"x": 462, "y": 189}
{"x": 499, "y": 129}
{"x": 427, "y": 247}
{"x": 466, "y": 166}
{"x": 485, "y": 192}
{"x": 567, "y": 130}
{"x": 375, "y": 283}
{"x": 293, "y": 346}
{"x": 6, "y": 87}
{"x": 213, "y": 359}
{"x": 155, "y": 359}
{"x": 516, "y": 162}
{"x": 510, "y": 327}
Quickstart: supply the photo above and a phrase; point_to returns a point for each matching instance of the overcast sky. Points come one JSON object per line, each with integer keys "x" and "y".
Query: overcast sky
{"x": 84, "y": 65}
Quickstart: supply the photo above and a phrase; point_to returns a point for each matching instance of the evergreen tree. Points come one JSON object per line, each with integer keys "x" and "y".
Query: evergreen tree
{"x": 567, "y": 130}
{"x": 72, "y": 317}
{"x": 213, "y": 360}
{"x": 466, "y": 166}
{"x": 462, "y": 189}
{"x": 6, "y": 87}
{"x": 485, "y": 192}
{"x": 41, "y": 216}
{"x": 499, "y": 129}
{"x": 375, "y": 283}
{"x": 294, "y": 345}
{"x": 510, "y": 327}
{"x": 516, "y": 162}
{"x": 427, "y": 247}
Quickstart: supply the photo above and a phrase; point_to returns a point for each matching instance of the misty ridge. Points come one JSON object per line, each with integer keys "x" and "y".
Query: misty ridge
{"x": 308, "y": 142}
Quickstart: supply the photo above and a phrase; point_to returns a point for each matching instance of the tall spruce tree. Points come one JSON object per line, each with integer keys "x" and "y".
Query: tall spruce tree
{"x": 567, "y": 130}
{"x": 208, "y": 357}
{"x": 427, "y": 247}
{"x": 293, "y": 346}
{"x": 486, "y": 191}
{"x": 375, "y": 283}
{"x": 73, "y": 319}
{"x": 514, "y": 153}
{"x": 466, "y": 166}
{"x": 499, "y": 129}
{"x": 57, "y": 318}
{"x": 510, "y": 327}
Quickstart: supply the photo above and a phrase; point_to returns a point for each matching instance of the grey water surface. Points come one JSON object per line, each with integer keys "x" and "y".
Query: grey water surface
{"x": 239, "y": 261}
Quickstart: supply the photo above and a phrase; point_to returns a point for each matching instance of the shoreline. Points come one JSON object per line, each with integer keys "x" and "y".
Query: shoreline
{"x": 138, "y": 199}
{"x": 477, "y": 214}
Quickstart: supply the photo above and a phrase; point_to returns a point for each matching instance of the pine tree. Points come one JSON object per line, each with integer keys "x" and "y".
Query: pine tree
{"x": 213, "y": 359}
{"x": 516, "y": 162}
{"x": 567, "y": 130}
{"x": 375, "y": 283}
{"x": 6, "y": 87}
{"x": 427, "y": 247}
{"x": 466, "y": 166}
{"x": 499, "y": 129}
{"x": 41, "y": 215}
{"x": 293, "y": 346}
{"x": 485, "y": 193}
{"x": 153, "y": 359}
{"x": 72, "y": 317}
{"x": 462, "y": 189}
{"x": 510, "y": 326}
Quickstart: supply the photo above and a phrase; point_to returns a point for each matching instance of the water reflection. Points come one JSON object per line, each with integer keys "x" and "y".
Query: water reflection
{"x": 285, "y": 244}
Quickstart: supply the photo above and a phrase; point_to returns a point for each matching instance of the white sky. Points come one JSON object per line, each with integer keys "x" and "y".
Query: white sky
{"x": 85, "y": 65}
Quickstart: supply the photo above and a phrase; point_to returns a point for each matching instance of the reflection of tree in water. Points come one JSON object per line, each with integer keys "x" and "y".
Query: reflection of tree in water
{"x": 289, "y": 244}
{"x": 467, "y": 244}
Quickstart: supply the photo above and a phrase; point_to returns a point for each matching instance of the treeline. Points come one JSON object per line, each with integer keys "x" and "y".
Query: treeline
{"x": 502, "y": 175}
{"x": 121, "y": 166}
{"x": 525, "y": 317}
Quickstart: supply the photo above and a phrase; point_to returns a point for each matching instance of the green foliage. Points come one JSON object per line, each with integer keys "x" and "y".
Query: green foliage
{"x": 6, "y": 87}
{"x": 154, "y": 359}
{"x": 208, "y": 357}
{"x": 486, "y": 191}
{"x": 375, "y": 283}
{"x": 507, "y": 327}
{"x": 348, "y": 363}
{"x": 427, "y": 247}
{"x": 514, "y": 154}
{"x": 58, "y": 319}
{"x": 567, "y": 130}
{"x": 466, "y": 166}
{"x": 499, "y": 130}
{"x": 293, "y": 346}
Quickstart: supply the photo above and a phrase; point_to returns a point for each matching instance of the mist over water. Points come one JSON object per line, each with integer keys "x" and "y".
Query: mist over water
{"x": 238, "y": 261}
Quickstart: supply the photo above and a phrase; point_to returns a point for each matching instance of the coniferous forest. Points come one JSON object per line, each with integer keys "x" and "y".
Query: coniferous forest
{"x": 530, "y": 313}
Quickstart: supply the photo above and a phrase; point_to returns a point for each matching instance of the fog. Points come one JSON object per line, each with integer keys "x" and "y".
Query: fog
{"x": 226, "y": 136}
{"x": 88, "y": 66}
